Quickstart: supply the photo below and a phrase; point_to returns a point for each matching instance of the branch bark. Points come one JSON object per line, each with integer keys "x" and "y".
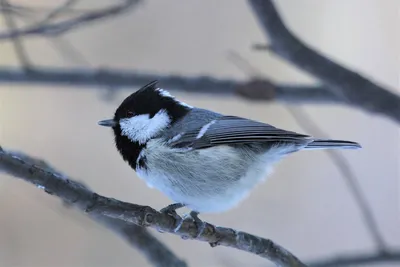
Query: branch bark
{"x": 348, "y": 85}
{"x": 96, "y": 205}
{"x": 138, "y": 237}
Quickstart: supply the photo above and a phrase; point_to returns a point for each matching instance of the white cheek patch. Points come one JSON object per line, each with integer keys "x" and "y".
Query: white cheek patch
{"x": 165, "y": 93}
{"x": 142, "y": 128}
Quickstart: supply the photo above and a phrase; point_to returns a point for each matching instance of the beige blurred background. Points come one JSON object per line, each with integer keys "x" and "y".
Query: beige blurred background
{"x": 304, "y": 206}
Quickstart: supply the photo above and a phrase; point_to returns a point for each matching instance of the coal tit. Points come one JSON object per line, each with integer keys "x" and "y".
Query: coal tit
{"x": 200, "y": 159}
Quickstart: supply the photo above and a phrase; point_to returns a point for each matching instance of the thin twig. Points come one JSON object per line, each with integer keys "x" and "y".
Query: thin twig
{"x": 243, "y": 65}
{"x": 39, "y": 10}
{"x": 12, "y": 10}
{"x": 349, "y": 85}
{"x": 346, "y": 172}
{"x": 53, "y": 14}
{"x": 73, "y": 23}
{"x": 96, "y": 205}
{"x": 70, "y": 52}
{"x": 12, "y": 27}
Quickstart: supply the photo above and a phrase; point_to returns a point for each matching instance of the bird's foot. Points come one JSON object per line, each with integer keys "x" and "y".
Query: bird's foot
{"x": 171, "y": 210}
{"x": 193, "y": 215}
{"x": 201, "y": 226}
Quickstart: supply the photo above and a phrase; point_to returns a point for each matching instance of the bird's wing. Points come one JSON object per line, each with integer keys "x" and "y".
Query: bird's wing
{"x": 235, "y": 130}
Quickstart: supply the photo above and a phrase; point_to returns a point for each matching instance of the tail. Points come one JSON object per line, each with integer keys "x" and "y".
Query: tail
{"x": 332, "y": 144}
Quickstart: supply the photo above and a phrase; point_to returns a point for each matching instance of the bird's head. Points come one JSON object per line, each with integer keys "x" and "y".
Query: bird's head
{"x": 145, "y": 113}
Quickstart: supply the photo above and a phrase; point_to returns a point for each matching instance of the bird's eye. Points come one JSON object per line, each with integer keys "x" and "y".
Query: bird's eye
{"x": 129, "y": 114}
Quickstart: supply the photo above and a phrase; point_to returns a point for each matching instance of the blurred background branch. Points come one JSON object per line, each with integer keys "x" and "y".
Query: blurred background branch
{"x": 12, "y": 27}
{"x": 372, "y": 98}
{"x": 349, "y": 85}
{"x": 383, "y": 255}
{"x": 359, "y": 260}
{"x": 120, "y": 79}
{"x": 47, "y": 26}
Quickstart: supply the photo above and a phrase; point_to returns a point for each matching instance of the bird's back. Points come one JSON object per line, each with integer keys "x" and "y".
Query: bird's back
{"x": 194, "y": 119}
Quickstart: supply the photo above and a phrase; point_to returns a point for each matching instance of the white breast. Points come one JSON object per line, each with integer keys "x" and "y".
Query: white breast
{"x": 209, "y": 180}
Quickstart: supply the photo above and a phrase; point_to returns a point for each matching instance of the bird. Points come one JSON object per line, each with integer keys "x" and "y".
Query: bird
{"x": 200, "y": 159}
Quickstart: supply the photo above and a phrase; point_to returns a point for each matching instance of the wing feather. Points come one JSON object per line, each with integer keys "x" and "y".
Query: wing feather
{"x": 236, "y": 130}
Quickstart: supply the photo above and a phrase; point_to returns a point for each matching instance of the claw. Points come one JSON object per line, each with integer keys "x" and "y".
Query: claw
{"x": 171, "y": 210}
{"x": 193, "y": 215}
{"x": 178, "y": 224}
{"x": 182, "y": 219}
{"x": 201, "y": 226}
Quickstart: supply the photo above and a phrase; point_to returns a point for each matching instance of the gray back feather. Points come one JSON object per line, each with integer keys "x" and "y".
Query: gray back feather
{"x": 195, "y": 119}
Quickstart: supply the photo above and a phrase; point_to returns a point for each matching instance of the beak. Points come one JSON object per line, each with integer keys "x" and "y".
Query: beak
{"x": 108, "y": 123}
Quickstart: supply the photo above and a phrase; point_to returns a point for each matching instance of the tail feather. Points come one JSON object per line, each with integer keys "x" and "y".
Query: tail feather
{"x": 332, "y": 144}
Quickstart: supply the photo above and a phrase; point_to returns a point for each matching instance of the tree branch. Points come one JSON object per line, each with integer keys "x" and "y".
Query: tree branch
{"x": 12, "y": 27}
{"x": 264, "y": 90}
{"x": 138, "y": 237}
{"x": 255, "y": 89}
{"x": 97, "y": 205}
{"x": 56, "y": 12}
{"x": 362, "y": 259}
{"x": 347, "y": 84}
{"x": 73, "y": 23}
